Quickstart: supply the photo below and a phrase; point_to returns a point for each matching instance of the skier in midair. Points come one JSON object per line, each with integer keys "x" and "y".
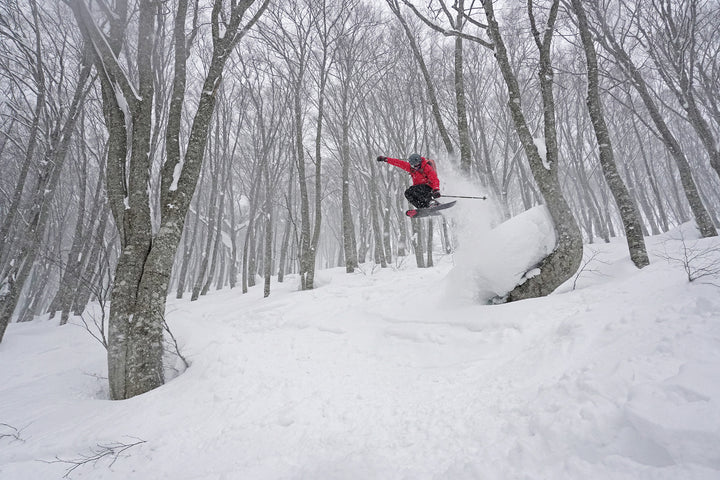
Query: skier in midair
{"x": 426, "y": 186}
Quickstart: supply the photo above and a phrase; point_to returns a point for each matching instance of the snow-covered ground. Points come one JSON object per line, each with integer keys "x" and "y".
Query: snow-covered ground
{"x": 395, "y": 373}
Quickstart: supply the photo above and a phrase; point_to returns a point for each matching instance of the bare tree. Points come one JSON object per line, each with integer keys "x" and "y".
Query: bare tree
{"x": 432, "y": 96}
{"x": 610, "y": 43}
{"x": 48, "y": 175}
{"x": 216, "y": 166}
{"x": 628, "y": 212}
{"x": 562, "y": 263}
{"x": 671, "y": 38}
{"x": 34, "y": 58}
{"x": 291, "y": 40}
{"x": 143, "y": 270}
{"x": 457, "y": 22}
{"x": 356, "y": 64}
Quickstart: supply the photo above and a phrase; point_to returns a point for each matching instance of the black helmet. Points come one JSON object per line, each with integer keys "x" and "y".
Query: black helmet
{"x": 415, "y": 159}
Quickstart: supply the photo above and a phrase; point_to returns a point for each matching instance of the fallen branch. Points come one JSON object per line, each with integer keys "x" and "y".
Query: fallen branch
{"x": 11, "y": 432}
{"x": 111, "y": 450}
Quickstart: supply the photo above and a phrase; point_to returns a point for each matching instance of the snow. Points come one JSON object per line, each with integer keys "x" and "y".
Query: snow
{"x": 542, "y": 151}
{"x": 244, "y": 204}
{"x": 390, "y": 374}
{"x": 484, "y": 265}
{"x": 177, "y": 172}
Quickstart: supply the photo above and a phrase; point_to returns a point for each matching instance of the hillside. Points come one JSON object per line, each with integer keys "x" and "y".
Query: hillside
{"x": 393, "y": 374}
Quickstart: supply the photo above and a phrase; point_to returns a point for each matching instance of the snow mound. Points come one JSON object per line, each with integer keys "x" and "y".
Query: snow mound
{"x": 491, "y": 263}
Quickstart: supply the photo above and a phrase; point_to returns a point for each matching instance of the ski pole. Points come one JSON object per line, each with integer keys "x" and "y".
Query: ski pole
{"x": 464, "y": 196}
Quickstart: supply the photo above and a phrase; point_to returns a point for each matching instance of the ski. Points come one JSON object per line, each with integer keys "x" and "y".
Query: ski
{"x": 434, "y": 210}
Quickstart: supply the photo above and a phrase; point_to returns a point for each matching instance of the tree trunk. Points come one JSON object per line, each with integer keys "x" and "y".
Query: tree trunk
{"x": 307, "y": 252}
{"x": 267, "y": 260}
{"x": 285, "y": 243}
{"x": 73, "y": 265}
{"x": 217, "y": 247}
{"x": 144, "y": 267}
{"x": 386, "y": 229}
{"x": 402, "y": 224}
{"x": 702, "y": 218}
{"x": 432, "y": 96}
{"x": 628, "y": 212}
{"x": 430, "y": 229}
{"x": 446, "y": 236}
{"x": 49, "y": 175}
{"x": 379, "y": 250}
{"x": 232, "y": 267}
{"x": 417, "y": 242}
{"x": 351, "y": 260}
{"x": 460, "y": 104}
{"x": 188, "y": 248}
{"x": 212, "y": 208}
{"x": 563, "y": 262}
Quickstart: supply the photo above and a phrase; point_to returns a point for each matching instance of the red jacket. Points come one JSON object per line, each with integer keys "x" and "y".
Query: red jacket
{"x": 424, "y": 174}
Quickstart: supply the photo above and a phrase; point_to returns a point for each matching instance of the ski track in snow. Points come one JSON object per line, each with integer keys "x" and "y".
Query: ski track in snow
{"x": 379, "y": 375}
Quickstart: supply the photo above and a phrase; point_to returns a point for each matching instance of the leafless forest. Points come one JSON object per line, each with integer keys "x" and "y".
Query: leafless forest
{"x": 162, "y": 147}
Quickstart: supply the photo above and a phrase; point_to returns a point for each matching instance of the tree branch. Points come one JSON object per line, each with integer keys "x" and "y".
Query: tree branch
{"x": 105, "y": 56}
{"x": 446, "y": 32}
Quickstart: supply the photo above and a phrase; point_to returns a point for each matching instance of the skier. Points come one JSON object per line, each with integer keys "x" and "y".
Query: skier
{"x": 426, "y": 186}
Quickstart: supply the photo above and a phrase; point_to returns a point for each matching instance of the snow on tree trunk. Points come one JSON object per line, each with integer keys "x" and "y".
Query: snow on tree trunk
{"x": 562, "y": 263}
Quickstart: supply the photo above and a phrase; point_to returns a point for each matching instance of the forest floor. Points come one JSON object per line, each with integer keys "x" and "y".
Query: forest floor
{"x": 385, "y": 374}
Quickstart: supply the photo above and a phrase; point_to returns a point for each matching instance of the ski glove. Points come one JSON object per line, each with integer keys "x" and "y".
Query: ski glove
{"x": 435, "y": 194}
{"x": 381, "y": 159}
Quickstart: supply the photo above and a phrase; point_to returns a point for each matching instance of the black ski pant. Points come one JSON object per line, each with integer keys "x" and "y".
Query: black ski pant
{"x": 419, "y": 195}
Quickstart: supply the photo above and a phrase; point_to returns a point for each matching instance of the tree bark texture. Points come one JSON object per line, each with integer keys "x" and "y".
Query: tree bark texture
{"x": 145, "y": 264}
{"x": 628, "y": 213}
{"x": 563, "y": 262}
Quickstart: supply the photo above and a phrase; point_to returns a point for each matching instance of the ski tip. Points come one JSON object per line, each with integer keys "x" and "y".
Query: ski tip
{"x": 411, "y": 213}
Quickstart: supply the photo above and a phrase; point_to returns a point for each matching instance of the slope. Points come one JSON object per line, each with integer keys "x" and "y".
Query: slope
{"x": 386, "y": 374}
